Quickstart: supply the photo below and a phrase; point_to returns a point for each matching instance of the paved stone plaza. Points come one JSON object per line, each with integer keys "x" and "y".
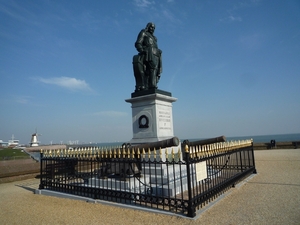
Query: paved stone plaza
{"x": 270, "y": 197}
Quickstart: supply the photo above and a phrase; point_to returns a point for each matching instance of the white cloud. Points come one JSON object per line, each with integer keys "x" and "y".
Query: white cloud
{"x": 231, "y": 18}
{"x": 70, "y": 83}
{"x": 143, "y": 3}
{"x": 169, "y": 16}
{"x": 235, "y": 18}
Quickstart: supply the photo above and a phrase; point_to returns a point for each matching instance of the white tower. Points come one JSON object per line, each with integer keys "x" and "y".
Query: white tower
{"x": 34, "y": 140}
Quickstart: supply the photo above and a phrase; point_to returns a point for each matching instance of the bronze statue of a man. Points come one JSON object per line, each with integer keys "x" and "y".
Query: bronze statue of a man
{"x": 147, "y": 65}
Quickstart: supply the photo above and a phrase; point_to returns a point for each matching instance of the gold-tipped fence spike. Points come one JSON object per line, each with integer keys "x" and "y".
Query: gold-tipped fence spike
{"x": 203, "y": 150}
{"x": 160, "y": 153}
{"x": 119, "y": 153}
{"x": 88, "y": 152}
{"x": 166, "y": 154}
{"x": 186, "y": 148}
{"x": 124, "y": 153}
{"x": 115, "y": 153}
{"x": 128, "y": 153}
{"x": 208, "y": 150}
{"x": 179, "y": 154}
{"x": 173, "y": 154}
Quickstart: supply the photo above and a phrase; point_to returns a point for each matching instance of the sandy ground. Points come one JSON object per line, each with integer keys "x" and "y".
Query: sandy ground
{"x": 270, "y": 197}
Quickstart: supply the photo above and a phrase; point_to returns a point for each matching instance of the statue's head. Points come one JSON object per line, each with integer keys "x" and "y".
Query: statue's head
{"x": 150, "y": 27}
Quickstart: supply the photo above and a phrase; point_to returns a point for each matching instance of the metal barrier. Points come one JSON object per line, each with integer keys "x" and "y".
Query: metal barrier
{"x": 178, "y": 179}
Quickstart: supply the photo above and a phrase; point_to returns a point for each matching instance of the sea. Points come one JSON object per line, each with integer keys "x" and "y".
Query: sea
{"x": 255, "y": 138}
{"x": 268, "y": 138}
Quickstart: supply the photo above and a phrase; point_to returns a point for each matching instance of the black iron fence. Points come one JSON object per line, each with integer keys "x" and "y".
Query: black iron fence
{"x": 180, "y": 179}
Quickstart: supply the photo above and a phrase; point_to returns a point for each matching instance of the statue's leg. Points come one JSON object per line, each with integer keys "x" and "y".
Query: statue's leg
{"x": 153, "y": 65}
{"x": 138, "y": 73}
{"x": 138, "y": 82}
{"x": 142, "y": 76}
{"x": 153, "y": 79}
{"x": 146, "y": 79}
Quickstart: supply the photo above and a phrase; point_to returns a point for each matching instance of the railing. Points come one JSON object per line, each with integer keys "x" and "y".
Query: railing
{"x": 164, "y": 179}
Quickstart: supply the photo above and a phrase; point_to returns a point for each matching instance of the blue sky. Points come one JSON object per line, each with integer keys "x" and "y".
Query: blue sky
{"x": 66, "y": 67}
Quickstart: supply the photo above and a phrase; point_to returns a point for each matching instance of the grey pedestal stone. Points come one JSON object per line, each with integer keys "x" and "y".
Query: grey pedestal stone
{"x": 152, "y": 118}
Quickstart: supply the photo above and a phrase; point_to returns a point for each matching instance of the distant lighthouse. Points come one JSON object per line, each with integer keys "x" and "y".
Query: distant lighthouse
{"x": 34, "y": 140}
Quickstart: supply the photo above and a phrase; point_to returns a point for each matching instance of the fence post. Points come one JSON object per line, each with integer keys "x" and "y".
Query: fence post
{"x": 41, "y": 186}
{"x": 252, "y": 150}
{"x": 191, "y": 207}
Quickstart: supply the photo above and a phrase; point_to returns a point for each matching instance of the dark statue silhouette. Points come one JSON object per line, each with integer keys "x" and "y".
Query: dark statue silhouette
{"x": 147, "y": 65}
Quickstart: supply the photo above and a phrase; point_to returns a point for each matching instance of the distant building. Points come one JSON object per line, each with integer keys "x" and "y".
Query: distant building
{"x": 34, "y": 140}
{"x": 11, "y": 143}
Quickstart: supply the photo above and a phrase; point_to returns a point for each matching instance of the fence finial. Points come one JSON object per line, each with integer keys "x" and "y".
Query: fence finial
{"x": 186, "y": 148}
{"x": 119, "y": 153}
{"x": 160, "y": 153}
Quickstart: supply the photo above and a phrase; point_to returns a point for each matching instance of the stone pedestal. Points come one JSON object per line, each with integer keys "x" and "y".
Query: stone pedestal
{"x": 152, "y": 118}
